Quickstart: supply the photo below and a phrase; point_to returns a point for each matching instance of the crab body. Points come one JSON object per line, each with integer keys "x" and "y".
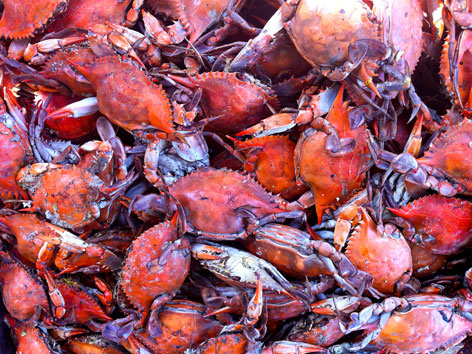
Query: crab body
{"x": 420, "y": 323}
{"x": 295, "y": 253}
{"x": 15, "y": 148}
{"x": 25, "y": 228}
{"x": 136, "y": 104}
{"x": 157, "y": 264}
{"x": 401, "y": 27}
{"x": 22, "y": 19}
{"x": 85, "y": 14}
{"x": 227, "y": 194}
{"x": 271, "y": 158}
{"x": 445, "y": 166}
{"x": 58, "y": 68}
{"x": 462, "y": 97}
{"x": 367, "y": 250}
{"x": 239, "y": 104}
{"x": 23, "y": 292}
{"x": 226, "y": 343}
{"x": 449, "y": 154}
{"x": 32, "y": 339}
{"x": 425, "y": 262}
{"x": 445, "y": 233}
{"x": 183, "y": 326}
{"x": 310, "y": 26}
{"x": 80, "y": 306}
{"x": 91, "y": 344}
{"x": 67, "y": 195}
{"x": 317, "y": 330}
{"x": 333, "y": 176}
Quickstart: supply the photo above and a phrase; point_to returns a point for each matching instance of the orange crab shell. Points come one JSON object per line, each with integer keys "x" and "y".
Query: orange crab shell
{"x": 183, "y": 326}
{"x": 195, "y": 16}
{"x": 424, "y": 328}
{"x": 146, "y": 274}
{"x": 80, "y": 306}
{"x": 22, "y": 18}
{"x": 66, "y": 195}
{"x": 91, "y": 344}
{"x": 86, "y": 13}
{"x": 219, "y": 193}
{"x": 59, "y": 68}
{"x": 229, "y": 343}
{"x": 273, "y": 164}
{"x": 13, "y": 159}
{"x": 450, "y": 153}
{"x": 325, "y": 330}
{"x": 26, "y": 227}
{"x": 237, "y": 103}
{"x": 445, "y": 232}
{"x": 386, "y": 257}
{"x": 31, "y": 340}
{"x": 22, "y": 292}
{"x": 332, "y": 179}
{"x": 127, "y": 96}
{"x": 322, "y": 30}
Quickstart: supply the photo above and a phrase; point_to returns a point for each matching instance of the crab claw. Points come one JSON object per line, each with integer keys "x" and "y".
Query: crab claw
{"x": 254, "y": 308}
{"x": 55, "y": 296}
{"x": 82, "y": 108}
{"x": 89, "y": 256}
{"x": 274, "y": 124}
{"x": 287, "y": 347}
{"x": 334, "y": 305}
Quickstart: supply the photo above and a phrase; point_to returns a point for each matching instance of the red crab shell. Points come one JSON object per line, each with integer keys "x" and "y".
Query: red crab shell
{"x": 14, "y": 155}
{"x": 219, "y": 193}
{"x": 288, "y": 249}
{"x": 386, "y": 257}
{"x": 332, "y": 179}
{"x": 444, "y": 232}
{"x": 401, "y": 27}
{"x": 127, "y": 96}
{"x": 66, "y": 195}
{"x": 31, "y": 339}
{"x": 464, "y": 66}
{"x": 322, "y": 30}
{"x": 23, "y": 292}
{"x": 22, "y": 18}
{"x": 429, "y": 325}
{"x": 238, "y": 104}
{"x": 425, "y": 263}
{"x": 86, "y": 13}
{"x": 271, "y": 158}
{"x": 322, "y": 331}
{"x": 59, "y": 68}
{"x": 184, "y": 325}
{"x": 450, "y": 154}
{"x": 150, "y": 270}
